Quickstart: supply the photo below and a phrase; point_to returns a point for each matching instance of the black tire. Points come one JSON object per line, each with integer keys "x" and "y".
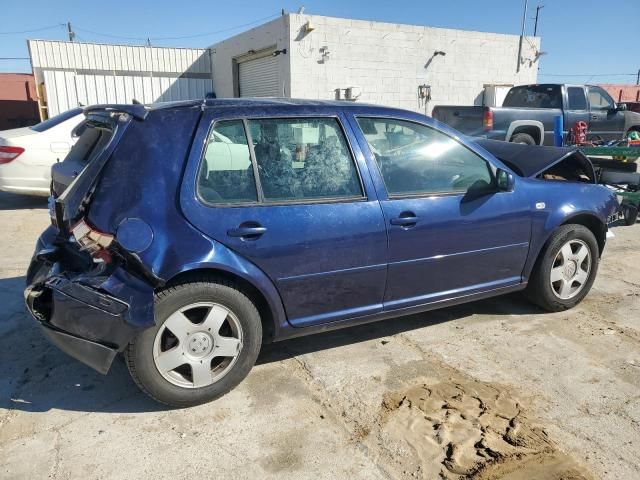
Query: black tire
{"x": 630, "y": 213}
{"x": 539, "y": 290}
{"x": 139, "y": 353}
{"x": 523, "y": 138}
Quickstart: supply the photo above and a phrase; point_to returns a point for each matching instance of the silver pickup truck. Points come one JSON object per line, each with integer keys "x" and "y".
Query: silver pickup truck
{"x": 528, "y": 114}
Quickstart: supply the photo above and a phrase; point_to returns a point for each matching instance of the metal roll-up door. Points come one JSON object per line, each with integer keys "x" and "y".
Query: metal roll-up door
{"x": 259, "y": 77}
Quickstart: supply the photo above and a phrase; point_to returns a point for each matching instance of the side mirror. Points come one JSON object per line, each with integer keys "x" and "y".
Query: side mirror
{"x": 621, "y": 107}
{"x": 504, "y": 181}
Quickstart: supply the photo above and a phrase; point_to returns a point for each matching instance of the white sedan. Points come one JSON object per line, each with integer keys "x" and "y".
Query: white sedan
{"x": 27, "y": 154}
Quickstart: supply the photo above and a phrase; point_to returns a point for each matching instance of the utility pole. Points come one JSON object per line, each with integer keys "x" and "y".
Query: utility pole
{"x": 71, "y": 33}
{"x": 524, "y": 19}
{"x": 638, "y": 78}
{"x": 535, "y": 26}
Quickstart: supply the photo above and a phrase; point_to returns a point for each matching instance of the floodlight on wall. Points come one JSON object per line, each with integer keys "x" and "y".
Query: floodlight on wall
{"x": 308, "y": 27}
{"x": 279, "y": 52}
{"x": 434, "y": 55}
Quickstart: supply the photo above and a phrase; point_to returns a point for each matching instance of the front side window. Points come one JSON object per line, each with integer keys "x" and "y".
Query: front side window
{"x": 226, "y": 172}
{"x": 303, "y": 159}
{"x": 415, "y": 159}
{"x": 600, "y": 100}
{"x": 577, "y": 100}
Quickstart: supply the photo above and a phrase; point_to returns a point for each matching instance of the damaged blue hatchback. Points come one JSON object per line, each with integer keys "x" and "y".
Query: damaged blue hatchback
{"x": 186, "y": 235}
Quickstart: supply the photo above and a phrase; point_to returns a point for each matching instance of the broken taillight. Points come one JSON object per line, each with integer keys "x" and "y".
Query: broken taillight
{"x": 8, "y": 154}
{"x": 92, "y": 241}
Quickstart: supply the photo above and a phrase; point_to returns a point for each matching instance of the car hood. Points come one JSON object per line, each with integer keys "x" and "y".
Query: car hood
{"x": 531, "y": 160}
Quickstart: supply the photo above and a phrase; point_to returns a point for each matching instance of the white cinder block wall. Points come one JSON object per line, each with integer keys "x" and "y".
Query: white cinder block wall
{"x": 272, "y": 34}
{"x": 387, "y": 61}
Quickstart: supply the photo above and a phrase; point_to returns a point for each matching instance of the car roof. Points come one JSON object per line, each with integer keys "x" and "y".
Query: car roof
{"x": 275, "y": 102}
{"x": 288, "y": 105}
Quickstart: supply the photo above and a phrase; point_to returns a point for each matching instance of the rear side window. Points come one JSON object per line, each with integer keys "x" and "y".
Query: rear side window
{"x": 577, "y": 99}
{"x": 534, "y": 96}
{"x": 303, "y": 159}
{"x": 417, "y": 160}
{"x": 226, "y": 171}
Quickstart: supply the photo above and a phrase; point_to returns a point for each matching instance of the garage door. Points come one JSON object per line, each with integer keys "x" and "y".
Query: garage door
{"x": 259, "y": 77}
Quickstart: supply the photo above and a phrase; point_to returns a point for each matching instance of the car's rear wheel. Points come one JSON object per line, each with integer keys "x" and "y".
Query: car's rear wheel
{"x": 566, "y": 269}
{"x": 206, "y": 340}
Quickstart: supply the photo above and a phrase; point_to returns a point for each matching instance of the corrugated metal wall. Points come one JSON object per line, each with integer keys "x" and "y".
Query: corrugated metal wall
{"x": 84, "y": 73}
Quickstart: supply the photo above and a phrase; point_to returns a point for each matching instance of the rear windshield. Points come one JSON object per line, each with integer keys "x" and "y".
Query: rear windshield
{"x": 95, "y": 137}
{"x": 57, "y": 120}
{"x": 534, "y": 96}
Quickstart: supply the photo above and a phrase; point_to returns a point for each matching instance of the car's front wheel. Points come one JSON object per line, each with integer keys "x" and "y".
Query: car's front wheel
{"x": 206, "y": 340}
{"x": 566, "y": 269}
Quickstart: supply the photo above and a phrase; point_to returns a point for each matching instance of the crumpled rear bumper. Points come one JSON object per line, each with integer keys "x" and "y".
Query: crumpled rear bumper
{"x": 91, "y": 317}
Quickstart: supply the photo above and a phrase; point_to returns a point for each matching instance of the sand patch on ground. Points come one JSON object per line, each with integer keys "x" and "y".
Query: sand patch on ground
{"x": 468, "y": 429}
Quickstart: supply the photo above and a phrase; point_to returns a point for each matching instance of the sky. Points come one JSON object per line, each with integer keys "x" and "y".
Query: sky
{"x": 585, "y": 40}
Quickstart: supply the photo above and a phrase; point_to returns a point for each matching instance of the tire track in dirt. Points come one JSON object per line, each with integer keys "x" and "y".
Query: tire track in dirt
{"x": 436, "y": 422}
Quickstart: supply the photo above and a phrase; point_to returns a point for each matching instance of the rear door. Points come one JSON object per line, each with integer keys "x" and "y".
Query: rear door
{"x": 444, "y": 240}
{"x": 576, "y": 107}
{"x": 288, "y": 194}
{"x": 605, "y": 121}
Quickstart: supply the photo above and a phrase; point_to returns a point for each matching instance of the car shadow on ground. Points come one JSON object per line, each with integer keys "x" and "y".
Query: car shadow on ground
{"x": 12, "y": 201}
{"x": 513, "y": 304}
{"x": 37, "y": 377}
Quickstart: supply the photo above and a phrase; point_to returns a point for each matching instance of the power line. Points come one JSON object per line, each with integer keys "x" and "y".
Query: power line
{"x": 586, "y": 74}
{"x": 58, "y": 25}
{"x": 14, "y": 58}
{"x": 206, "y": 34}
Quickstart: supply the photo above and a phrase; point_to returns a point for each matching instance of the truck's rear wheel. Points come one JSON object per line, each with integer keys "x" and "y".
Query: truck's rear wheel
{"x": 206, "y": 340}
{"x": 524, "y": 138}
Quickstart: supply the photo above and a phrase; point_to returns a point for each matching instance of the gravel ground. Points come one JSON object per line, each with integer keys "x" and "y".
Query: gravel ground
{"x": 493, "y": 389}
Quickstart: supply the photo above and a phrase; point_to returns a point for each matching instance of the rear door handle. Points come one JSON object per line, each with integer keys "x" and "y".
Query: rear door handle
{"x": 405, "y": 220}
{"x": 248, "y": 233}
{"x": 594, "y": 117}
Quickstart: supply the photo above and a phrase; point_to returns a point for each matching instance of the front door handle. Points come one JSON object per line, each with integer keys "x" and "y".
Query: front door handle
{"x": 406, "y": 219}
{"x": 247, "y": 233}
{"x": 594, "y": 117}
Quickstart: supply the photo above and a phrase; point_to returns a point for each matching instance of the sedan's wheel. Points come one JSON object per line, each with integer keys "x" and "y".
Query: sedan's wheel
{"x": 206, "y": 339}
{"x": 565, "y": 270}
{"x": 571, "y": 269}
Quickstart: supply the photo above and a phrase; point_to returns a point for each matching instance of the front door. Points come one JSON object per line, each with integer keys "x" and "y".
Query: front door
{"x": 286, "y": 194}
{"x": 448, "y": 236}
{"x": 605, "y": 121}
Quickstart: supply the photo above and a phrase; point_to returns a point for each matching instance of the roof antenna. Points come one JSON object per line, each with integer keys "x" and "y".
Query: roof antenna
{"x": 136, "y": 102}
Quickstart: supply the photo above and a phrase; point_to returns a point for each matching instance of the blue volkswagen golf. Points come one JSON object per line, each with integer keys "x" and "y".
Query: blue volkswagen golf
{"x": 185, "y": 235}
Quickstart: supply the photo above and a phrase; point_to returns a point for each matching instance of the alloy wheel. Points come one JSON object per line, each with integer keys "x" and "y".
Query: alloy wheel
{"x": 571, "y": 269}
{"x": 197, "y": 345}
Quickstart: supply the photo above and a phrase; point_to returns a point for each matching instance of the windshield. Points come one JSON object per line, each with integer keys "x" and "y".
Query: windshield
{"x": 534, "y": 96}
{"x": 57, "y": 120}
